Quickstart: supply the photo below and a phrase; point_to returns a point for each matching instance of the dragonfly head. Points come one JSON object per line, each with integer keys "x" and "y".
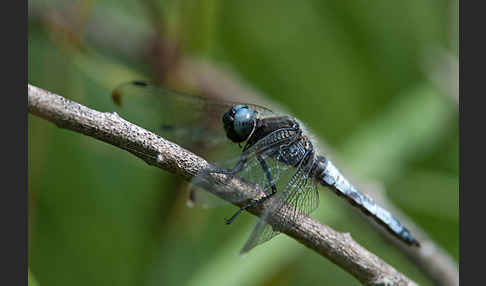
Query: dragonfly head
{"x": 239, "y": 123}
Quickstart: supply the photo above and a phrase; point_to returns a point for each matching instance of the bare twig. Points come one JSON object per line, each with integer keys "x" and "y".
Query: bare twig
{"x": 340, "y": 248}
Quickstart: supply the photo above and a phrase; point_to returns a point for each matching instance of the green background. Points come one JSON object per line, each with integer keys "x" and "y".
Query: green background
{"x": 376, "y": 80}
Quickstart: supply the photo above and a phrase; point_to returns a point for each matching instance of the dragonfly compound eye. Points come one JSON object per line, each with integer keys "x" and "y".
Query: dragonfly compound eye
{"x": 239, "y": 122}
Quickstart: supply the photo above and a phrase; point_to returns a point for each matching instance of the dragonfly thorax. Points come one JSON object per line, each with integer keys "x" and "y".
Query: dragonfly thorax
{"x": 239, "y": 123}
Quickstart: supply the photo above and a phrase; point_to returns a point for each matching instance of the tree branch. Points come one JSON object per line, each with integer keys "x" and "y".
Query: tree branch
{"x": 338, "y": 247}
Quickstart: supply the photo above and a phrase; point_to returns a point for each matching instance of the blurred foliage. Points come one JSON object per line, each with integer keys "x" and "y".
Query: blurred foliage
{"x": 357, "y": 72}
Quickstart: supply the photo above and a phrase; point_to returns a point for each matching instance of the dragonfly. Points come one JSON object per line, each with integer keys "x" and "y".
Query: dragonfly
{"x": 270, "y": 149}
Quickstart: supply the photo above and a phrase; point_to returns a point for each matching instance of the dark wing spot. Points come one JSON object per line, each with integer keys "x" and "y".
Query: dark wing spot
{"x": 140, "y": 83}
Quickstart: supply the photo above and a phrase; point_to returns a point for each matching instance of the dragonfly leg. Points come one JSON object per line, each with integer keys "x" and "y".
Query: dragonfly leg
{"x": 264, "y": 166}
{"x": 239, "y": 166}
{"x": 250, "y": 205}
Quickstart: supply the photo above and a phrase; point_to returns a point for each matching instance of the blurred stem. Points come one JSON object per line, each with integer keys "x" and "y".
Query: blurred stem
{"x": 410, "y": 128}
{"x": 31, "y": 279}
{"x": 380, "y": 150}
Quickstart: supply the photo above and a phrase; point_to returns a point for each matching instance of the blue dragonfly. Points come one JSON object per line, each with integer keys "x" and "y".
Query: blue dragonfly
{"x": 272, "y": 150}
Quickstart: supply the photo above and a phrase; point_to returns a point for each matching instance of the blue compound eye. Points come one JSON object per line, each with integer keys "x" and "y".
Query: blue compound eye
{"x": 244, "y": 121}
{"x": 239, "y": 122}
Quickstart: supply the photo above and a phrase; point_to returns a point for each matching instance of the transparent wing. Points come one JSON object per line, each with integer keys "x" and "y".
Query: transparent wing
{"x": 191, "y": 121}
{"x": 252, "y": 166}
{"x": 299, "y": 198}
{"x": 252, "y": 173}
{"x": 202, "y": 198}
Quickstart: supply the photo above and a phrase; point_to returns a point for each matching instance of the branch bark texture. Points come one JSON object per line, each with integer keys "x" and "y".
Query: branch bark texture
{"x": 338, "y": 247}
